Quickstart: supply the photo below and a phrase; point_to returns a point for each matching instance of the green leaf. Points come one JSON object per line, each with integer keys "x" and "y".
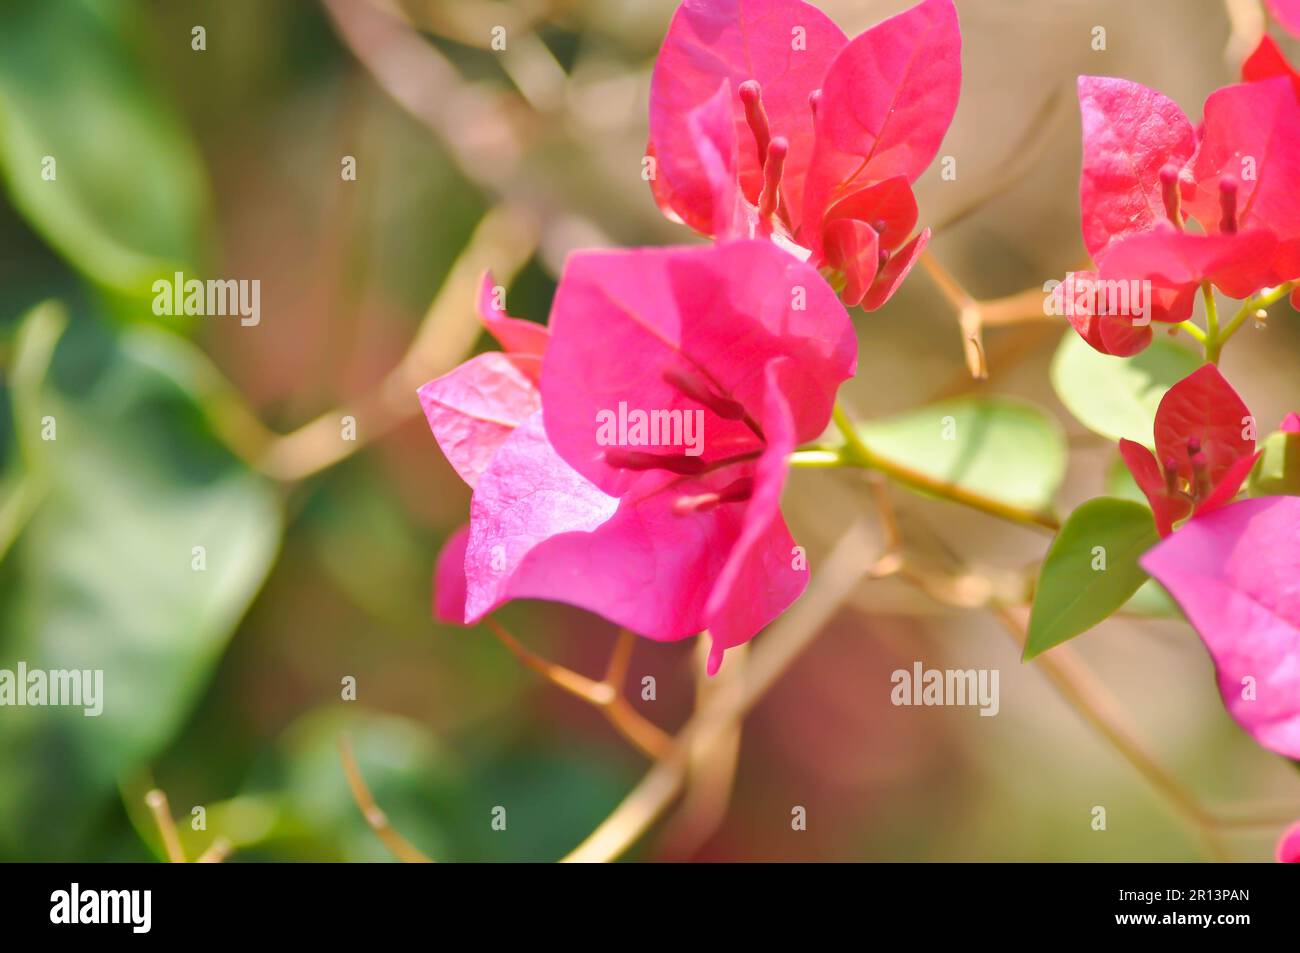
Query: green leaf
{"x": 37, "y": 335}
{"x": 1090, "y": 571}
{"x": 103, "y": 576}
{"x": 1004, "y": 449}
{"x": 1120, "y": 483}
{"x": 413, "y": 779}
{"x": 1152, "y": 599}
{"x": 127, "y": 202}
{"x": 1118, "y": 396}
{"x": 1278, "y": 471}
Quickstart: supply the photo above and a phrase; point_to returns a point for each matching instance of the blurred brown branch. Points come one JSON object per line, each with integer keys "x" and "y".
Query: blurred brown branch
{"x": 1077, "y": 685}
{"x": 503, "y": 241}
{"x": 400, "y": 847}
{"x": 606, "y": 695}
{"x": 156, "y": 801}
{"x": 773, "y": 652}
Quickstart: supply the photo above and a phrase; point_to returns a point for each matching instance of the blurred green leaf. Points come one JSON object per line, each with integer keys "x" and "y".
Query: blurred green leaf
{"x": 1118, "y": 396}
{"x": 1090, "y": 571}
{"x": 552, "y": 798}
{"x": 102, "y": 577}
{"x": 1120, "y": 482}
{"x": 34, "y": 344}
{"x": 1152, "y": 599}
{"x": 1001, "y": 448}
{"x": 1278, "y": 471}
{"x": 127, "y": 203}
{"x": 369, "y": 547}
{"x": 409, "y": 775}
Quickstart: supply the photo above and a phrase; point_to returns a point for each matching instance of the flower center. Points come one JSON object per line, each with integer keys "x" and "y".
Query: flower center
{"x": 686, "y": 466}
{"x": 1198, "y": 487}
{"x": 772, "y": 151}
{"x": 1228, "y": 205}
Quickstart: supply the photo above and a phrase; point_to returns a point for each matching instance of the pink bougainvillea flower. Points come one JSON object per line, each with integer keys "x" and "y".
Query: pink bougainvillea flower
{"x": 1249, "y": 153}
{"x": 475, "y": 407}
{"x": 1288, "y": 845}
{"x": 1287, "y": 13}
{"x": 1205, "y": 449}
{"x": 516, "y": 335}
{"x": 766, "y": 121}
{"x": 471, "y": 410}
{"x": 1267, "y": 61}
{"x": 449, "y": 578}
{"x": 1146, "y": 171}
{"x": 730, "y": 355}
{"x": 1130, "y": 135}
{"x": 1176, "y": 263}
{"x": 1235, "y": 574}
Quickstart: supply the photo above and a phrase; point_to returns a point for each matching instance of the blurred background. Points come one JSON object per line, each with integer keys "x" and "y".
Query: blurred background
{"x": 224, "y": 686}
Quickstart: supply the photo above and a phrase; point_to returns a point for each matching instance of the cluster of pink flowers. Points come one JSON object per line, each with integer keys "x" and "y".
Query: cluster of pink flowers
{"x": 1233, "y": 567}
{"x": 795, "y": 150}
{"x": 746, "y": 332}
{"x": 1148, "y": 174}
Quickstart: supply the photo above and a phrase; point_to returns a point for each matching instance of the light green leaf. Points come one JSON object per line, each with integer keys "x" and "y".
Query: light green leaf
{"x": 1152, "y": 599}
{"x": 1120, "y": 482}
{"x": 127, "y": 200}
{"x": 103, "y": 576}
{"x": 1001, "y": 448}
{"x": 1278, "y": 471}
{"x": 1118, "y": 396}
{"x": 1090, "y": 571}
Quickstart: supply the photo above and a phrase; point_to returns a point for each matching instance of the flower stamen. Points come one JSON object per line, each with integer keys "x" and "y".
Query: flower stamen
{"x": 751, "y": 96}
{"x": 1228, "y": 205}
{"x": 1169, "y": 191}
{"x": 734, "y": 492}
{"x": 777, "y": 150}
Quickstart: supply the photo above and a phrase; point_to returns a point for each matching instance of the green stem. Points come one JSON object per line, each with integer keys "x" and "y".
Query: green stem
{"x": 855, "y": 453}
{"x": 1269, "y": 297}
{"x": 1213, "y": 345}
{"x": 1194, "y": 331}
{"x": 818, "y": 458}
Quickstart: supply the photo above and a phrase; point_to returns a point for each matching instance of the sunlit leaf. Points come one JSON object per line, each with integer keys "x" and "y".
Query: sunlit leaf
{"x": 1003, "y": 449}
{"x": 91, "y": 153}
{"x": 1278, "y": 471}
{"x": 106, "y": 575}
{"x": 1117, "y": 396}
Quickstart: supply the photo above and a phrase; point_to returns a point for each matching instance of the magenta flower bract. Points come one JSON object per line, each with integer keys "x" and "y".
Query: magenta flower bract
{"x": 1203, "y": 451}
{"x": 1146, "y": 171}
{"x": 475, "y": 407}
{"x": 665, "y": 536}
{"x": 1267, "y": 61}
{"x": 1288, "y": 845}
{"x": 1287, "y": 13}
{"x": 820, "y": 137}
{"x": 1236, "y": 574}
